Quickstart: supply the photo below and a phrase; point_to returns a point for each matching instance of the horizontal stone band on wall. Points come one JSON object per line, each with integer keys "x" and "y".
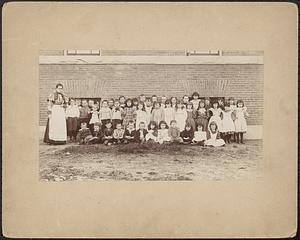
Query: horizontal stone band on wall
{"x": 151, "y": 59}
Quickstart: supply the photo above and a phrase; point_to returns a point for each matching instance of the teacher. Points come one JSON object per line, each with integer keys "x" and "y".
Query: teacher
{"x": 56, "y": 129}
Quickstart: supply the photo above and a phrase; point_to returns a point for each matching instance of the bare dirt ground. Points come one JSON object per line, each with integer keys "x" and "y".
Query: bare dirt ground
{"x": 150, "y": 162}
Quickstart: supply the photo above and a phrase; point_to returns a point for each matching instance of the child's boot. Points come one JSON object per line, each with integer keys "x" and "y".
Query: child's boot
{"x": 237, "y": 138}
{"x": 242, "y": 142}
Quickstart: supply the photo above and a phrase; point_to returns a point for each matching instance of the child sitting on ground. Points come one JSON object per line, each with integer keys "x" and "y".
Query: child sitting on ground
{"x": 174, "y": 133}
{"x": 199, "y": 136}
{"x": 152, "y": 132}
{"x": 97, "y": 134}
{"x": 213, "y": 136}
{"x": 84, "y": 134}
{"x": 129, "y": 133}
{"x": 108, "y": 134}
{"x": 163, "y": 136}
{"x": 118, "y": 134}
{"x": 187, "y": 134}
{"x": 140, "y": 135}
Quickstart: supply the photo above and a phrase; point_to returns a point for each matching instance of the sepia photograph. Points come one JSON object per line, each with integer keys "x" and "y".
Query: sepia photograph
{"x": 145, "y": 115}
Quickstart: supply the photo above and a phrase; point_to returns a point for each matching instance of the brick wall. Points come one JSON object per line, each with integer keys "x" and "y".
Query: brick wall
{"x": 231, "y": 80}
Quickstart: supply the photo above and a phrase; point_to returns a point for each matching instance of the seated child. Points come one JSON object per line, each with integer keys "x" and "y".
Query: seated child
{"x": 118, "y": 134}
{"x": 163, "y": 136}
{"x": 108, "y": 134}
{"x": 213, "y": 136}
{"x": 97, "y": 134}
{"x": 84, "y": 134}
{"x": 174, "y": 133}
{"x": 187, "y": 134}
{"x": 129, "y": 133}
{"x": 199, "y": 136}
{"x": 152, "y": 132}
{"x": 140, "y": 134}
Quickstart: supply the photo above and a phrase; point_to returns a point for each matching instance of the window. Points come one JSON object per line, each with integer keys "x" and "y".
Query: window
{"x": 83, "y": 52}
{"x": 202, "y": 53}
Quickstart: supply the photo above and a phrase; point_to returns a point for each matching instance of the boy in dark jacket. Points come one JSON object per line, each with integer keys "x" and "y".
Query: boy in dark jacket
{"x": 140, "y": 134}
{"x": 129, "y": 135}
{"x": 108, "y": 134}
{"x": 97, "y": 134}
{"x": 84, "y": 134}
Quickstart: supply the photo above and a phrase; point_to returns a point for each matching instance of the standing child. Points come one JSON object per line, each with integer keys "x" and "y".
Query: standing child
{"x": 122, "y": 101}
{"x": 185, "y": 100}
{"x": 108, "y": 134}
{"x": 199, "y": 136}
{"x": 105, "y": 113}
{"x": 142, "y": 98}
{"x": 213, "y": 136}
{"x": 148, "y": 109}
{"x": 221, "y": 103}
{"x": 202, "y": 115}
{"x": 84, "y": 112}
{"x": 135, "y": 103}
{"x": 174, "y": 103}
{"x": 169, "y": 113}
{"x": 163, "y": 101}
{"x": 228, "y": 127}
{"x": 215, "y": 115}
{"x": 157, "y": 114}
{"x": 97, "y": 134}
{"x": 72, "y": 114}
{"x": 94, "y": 118}
{"x": 78, "y": 102}
{"x": 240, "y": 121}
{"x": 154, "y": 99}
{"x": 181, "y": 115}
{"x": 129, "y": 113}
{"x": 187, "y": 134}
{"x": 116, "y": 114}
{"x": 129, "y": 133}
{"x": 232, "y": 106}
{"x": 191, "y": 115}
{"x": 140, "y": 134}
{"x": 163, "y": 133}
{"x": 111, "y": 103}
{"x": 152, "y": 132}
{"x": 174, "y": 133}
{"x": 141, "y": 115}
{"x": 195, "y": 100}
{"x": 118, "y": 134}
{"x": 84, "y": 134}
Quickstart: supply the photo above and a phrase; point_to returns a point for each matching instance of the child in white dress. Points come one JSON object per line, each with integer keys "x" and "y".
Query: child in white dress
{"x": 227, "y": 123}
{"x": 213, "y": 136}
{"x": 141, "y": 115}
{"x": 94, "y": 118}
{"x": 215, "y": 115}
{"x": 181, "y": 115}
{"x": 240, "y": 122}
{"x": 169, "y": 113}
{"x": 199, "y": 136}
{"x": 152, "y": 132}
{"x": 163, "y": 133}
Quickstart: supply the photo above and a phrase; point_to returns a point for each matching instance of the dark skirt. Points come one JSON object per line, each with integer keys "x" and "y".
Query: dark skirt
{"x": 48, "y": 140}
{"x": 203, "y": 122}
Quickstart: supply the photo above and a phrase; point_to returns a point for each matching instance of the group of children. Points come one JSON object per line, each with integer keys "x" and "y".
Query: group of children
{"x": 190, "y": 120}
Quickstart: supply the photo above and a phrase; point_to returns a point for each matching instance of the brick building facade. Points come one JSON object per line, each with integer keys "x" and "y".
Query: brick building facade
{"x": 239, "y": 74}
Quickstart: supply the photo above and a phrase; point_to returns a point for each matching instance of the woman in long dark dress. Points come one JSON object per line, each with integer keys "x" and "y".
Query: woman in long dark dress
{"x": 56, "y": 129}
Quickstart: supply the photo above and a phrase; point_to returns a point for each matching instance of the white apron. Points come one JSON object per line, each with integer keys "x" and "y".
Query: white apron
{"x": 57, "y": 124}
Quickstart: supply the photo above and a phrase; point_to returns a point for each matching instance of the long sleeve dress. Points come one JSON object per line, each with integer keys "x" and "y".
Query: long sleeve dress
{"x": 141, "y": 116}
{"x": 202, "y": 118}
{"x": 240, "y": 121}
{"x": 169, "y": 115}
{"x": 191, "y": 115}
{"x": 180, "y": 117}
